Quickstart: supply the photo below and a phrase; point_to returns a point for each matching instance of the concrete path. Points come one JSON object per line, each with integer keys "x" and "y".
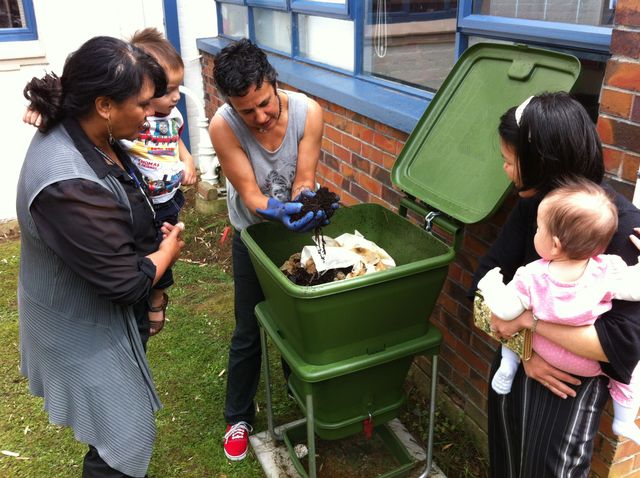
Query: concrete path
{"x": 275, "y": 461}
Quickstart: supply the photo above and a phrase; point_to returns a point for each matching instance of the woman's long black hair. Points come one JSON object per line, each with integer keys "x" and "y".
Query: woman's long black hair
{"x": 102, "y": 66}
{"x": 556, "y": 141}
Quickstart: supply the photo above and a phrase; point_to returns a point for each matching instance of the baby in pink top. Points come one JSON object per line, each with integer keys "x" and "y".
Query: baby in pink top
{"x": 573, "y": 284}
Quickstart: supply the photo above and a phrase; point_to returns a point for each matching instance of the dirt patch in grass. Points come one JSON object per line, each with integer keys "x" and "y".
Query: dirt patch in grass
{"x": 353, "y": 457}
{"x": 208, "y": 237}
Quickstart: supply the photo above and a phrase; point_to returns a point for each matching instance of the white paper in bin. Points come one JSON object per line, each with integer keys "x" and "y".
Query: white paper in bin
{"x": 348, "y": 250}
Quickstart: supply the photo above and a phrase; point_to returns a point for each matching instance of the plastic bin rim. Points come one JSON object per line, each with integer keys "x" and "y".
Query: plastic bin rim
{"x": 311, "y": 292}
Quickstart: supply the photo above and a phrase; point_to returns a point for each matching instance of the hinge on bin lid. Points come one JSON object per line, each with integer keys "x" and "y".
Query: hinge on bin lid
{"x": 428, "y": 220}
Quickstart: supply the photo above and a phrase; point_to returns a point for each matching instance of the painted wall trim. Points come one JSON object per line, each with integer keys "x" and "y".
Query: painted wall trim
{"x": 172, "y": 31}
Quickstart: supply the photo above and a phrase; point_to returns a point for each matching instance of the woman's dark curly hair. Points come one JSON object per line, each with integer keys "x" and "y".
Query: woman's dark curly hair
{"x": 555, "y": 142}
{"x": 102, "y": 66}
{"x": 240, "y": 65}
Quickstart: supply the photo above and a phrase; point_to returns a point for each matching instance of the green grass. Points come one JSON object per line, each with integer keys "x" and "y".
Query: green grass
{"x": 187, "y": 359}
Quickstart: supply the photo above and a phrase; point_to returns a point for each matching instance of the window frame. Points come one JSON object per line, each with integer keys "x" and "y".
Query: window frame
{"x": 582, "y": 40}
{"x": 26, "y": 33}
{"x": 585, "y": 41}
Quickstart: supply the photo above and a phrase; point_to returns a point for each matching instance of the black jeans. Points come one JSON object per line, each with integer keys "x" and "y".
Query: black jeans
{"x": 95, "y": 467}
{"x": 243, "y": 371}
{"x": 167, "y": 212}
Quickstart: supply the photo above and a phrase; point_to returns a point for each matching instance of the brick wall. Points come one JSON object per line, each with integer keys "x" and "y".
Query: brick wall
{"x": 357, "y": 156}
{"x": 619, "y": 128}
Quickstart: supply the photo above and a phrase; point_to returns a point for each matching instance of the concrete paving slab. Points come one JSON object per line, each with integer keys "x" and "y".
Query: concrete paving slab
{"x": 276, "y": 463}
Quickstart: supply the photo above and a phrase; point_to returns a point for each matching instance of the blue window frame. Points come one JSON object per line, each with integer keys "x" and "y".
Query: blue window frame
{"x": 325, "y": 9}
{"x": 586, "y": 41}
{"x": 583, "y": 40}
{"x": 28, "y": 30}
{"x": 274, "y": 4}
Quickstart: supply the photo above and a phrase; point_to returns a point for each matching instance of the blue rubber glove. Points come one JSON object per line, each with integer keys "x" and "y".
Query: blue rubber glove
{"x": 319, "y": 219}
{"x": 282, "y": 211}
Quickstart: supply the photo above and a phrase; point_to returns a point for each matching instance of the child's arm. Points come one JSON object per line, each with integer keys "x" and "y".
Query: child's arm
{"x": 189, "y": 167}
{"x": 502, "y": 299}
{"x": 627, "y": 284}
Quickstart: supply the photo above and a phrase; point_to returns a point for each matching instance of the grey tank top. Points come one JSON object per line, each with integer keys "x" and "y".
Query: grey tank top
{"x": 274, "y": 170}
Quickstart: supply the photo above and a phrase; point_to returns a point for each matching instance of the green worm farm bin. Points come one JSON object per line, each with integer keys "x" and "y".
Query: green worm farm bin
{"x": 450, "y": 168}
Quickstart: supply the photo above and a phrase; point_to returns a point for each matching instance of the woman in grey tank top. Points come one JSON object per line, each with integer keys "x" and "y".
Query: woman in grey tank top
{"x": 268, "y": 144}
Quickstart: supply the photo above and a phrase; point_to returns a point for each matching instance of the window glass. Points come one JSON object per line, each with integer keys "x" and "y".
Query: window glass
{"x": 584, "y": 12}
{"x": 235, "y": 20}
{"x": 327, "y": 40}
{"x": 12, "y": 14}
{"x": 410, "y": 41}
{"x": 273, "y": 29}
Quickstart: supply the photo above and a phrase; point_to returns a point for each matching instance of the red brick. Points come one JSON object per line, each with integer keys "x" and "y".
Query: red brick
{"x": 359, "y": 193}
{"x": 348, "y": 199}
{"x": 327, "y": 145}
{"x": 339, "y": 122}
{"x": 635, "y": 109}
{"x": 389, "y": 131}
{"x": 369, "y": 184}
{"x": 625, "y": 449}
{"x": 342, "y": 153}
{"x": 628, "y": 13}
{"x": 625, "y": 43}
{"x": 384, "y": 143}
{"x": 363, "y": 133}
{"x": 376, "y": 200}
{"x": 381, "y": 175}
{"x": 626, "y": 135}
{"x": 621, "y": 468}
{"x": 333, "y": 134}
{"x": 623, "y": 75}
{"x": 361, "y": 163}
{"x": 337, "y": 109}
{"x": 346, "y": 170}
{"x": 352, "y": 143}
{"x": 372, "y": 154}
{"x": 388, "y": 161}
{"x": 617, "y": 103}
{"x": 630, "y": 166}
{"x": 599, "y": 469}
{"x": 612, "y": 159}
{"x": 634, "y": 474}
{"x": 391, "y": 196}
{"x": 605, "y": 130}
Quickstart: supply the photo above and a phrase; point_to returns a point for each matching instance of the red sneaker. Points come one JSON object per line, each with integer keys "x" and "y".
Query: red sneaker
{"x": 236, "y": 440}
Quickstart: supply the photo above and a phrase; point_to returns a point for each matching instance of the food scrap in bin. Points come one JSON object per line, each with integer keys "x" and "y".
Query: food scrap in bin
{"x": 346, "y": 256}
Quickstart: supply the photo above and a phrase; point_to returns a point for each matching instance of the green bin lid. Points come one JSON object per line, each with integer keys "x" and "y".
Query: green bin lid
{"x": 451, "y": 160}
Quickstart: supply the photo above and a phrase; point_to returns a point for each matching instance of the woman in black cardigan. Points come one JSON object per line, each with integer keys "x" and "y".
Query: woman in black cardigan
{"x": 545, "y": 426}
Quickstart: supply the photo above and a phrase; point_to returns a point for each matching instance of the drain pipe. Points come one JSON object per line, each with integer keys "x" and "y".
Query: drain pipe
{"x": 207, "y": 159}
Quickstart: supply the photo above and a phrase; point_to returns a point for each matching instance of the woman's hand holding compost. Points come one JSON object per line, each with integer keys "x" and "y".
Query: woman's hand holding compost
{"x": 282, "y": 211}
{"x": 550, "y": 377}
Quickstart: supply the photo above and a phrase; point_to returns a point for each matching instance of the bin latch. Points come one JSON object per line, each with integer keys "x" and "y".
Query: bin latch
{"x": 428, "y": 220}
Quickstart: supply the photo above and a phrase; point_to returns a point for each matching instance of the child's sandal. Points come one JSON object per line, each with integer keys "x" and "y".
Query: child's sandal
{"x": 156, "y": 326}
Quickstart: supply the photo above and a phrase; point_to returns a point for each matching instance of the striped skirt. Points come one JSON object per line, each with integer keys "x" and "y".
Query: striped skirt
{"x": 536, "y": 434}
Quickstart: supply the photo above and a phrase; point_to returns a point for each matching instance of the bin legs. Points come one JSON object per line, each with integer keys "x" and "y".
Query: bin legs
{"x": 432, "y": 416}
{"x": 311, "y": 439}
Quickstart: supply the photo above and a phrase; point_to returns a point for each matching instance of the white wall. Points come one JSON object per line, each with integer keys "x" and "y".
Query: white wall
{"x": 62, "y": 28}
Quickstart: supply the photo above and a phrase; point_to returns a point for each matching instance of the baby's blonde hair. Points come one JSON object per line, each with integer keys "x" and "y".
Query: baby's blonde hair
{"x": 582, "y": 216}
